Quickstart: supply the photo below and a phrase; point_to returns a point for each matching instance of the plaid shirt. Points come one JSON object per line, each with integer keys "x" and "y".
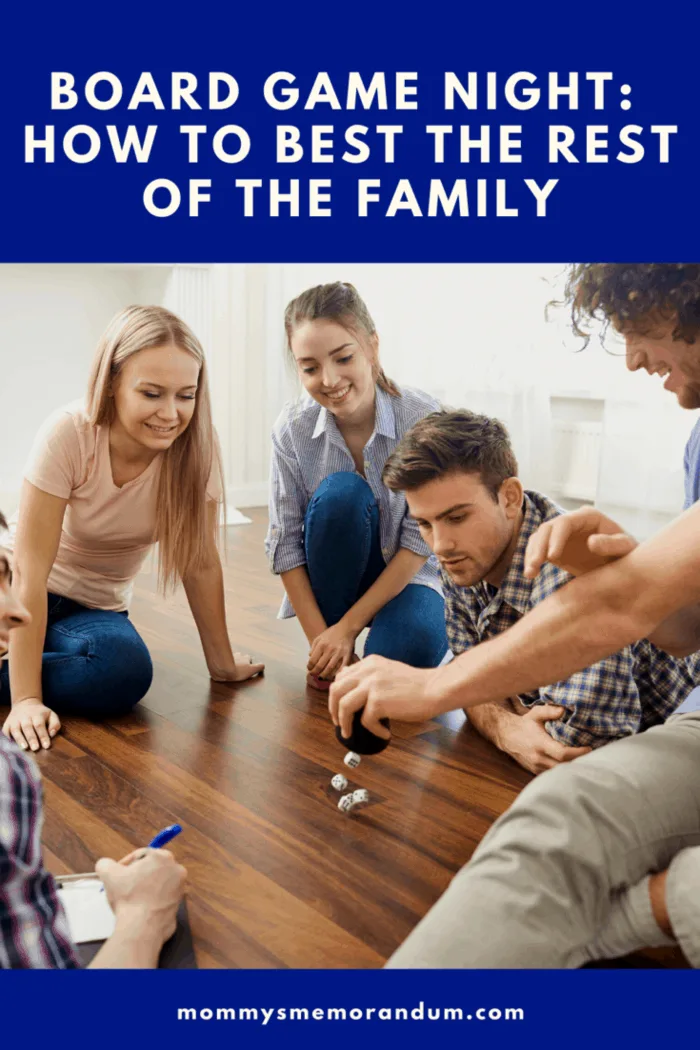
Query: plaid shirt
{"x": 624, "y": 694}
{"x": 33, "y": 926}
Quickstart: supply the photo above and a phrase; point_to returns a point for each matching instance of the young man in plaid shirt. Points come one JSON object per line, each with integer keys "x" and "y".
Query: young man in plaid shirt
{"x": 33, "y": 927}
{"x": 601, "y": 856}
{"x": 459, "y": 474}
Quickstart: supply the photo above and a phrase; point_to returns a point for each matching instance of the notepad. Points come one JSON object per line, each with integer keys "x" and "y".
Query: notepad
{"x": 87, "y": 909}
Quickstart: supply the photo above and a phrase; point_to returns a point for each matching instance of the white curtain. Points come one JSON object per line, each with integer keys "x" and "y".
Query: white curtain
{"x": 192, "y": 292}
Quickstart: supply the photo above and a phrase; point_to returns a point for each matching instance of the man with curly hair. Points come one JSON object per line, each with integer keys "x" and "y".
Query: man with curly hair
{"x": 598, "y": 857}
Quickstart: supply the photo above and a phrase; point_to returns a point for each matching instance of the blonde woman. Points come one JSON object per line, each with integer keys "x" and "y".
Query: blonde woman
{"x": 348, "y": 552}
{"x": 137, "y": 463}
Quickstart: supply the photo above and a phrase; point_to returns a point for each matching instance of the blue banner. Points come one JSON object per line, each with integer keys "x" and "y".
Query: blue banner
{"x": 215, "y": 1008}
{"x": 366, "y": 132}
{"x": 263, "y": 133}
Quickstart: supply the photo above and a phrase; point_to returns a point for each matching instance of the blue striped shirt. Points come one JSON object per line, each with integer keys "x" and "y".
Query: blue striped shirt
{"x": 691, "y": 465}
{"x": 307, "y": 446}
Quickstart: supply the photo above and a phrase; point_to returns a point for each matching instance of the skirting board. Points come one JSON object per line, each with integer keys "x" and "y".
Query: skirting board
{"x": 242, "y": 496}
{"x": 234, "y": 516}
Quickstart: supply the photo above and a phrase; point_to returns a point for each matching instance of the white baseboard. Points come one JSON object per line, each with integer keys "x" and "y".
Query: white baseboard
{"x": 247, "y": 495}
{"x": 235, "y": 517}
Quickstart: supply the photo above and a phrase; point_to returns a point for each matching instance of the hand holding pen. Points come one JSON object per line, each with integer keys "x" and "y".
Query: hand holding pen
{"x": 157, "y": 842}
{"x": 164, "y": 837}
{"x": 145, "y": 898}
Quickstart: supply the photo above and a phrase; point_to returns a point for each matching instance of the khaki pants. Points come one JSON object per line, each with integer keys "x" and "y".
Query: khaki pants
{"x": 538, "y": 887}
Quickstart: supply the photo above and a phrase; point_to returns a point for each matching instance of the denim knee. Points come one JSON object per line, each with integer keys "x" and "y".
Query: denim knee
{"x": 410, "y": 628}
{"x": 129, "y": 669}
{"x": 342, "y": 494}
{"x": 116, "y": 673}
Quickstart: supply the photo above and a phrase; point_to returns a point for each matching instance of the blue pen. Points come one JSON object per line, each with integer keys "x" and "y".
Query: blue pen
{"x": 161, "y": 839}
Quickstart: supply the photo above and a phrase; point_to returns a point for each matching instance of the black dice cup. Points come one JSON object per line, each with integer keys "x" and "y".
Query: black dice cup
{"x": 361, "y": 741}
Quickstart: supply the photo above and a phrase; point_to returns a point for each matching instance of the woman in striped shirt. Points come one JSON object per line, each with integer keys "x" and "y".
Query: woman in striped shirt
{"x": 347, "y": 551}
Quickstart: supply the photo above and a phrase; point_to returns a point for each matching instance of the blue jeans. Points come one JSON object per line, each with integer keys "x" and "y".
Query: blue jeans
{"x": 95, "y": 663}
{"x": 344, "y": 558}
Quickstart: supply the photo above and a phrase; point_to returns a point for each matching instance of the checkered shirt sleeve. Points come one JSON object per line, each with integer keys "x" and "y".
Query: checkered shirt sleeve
{"x": 33, "y": 926}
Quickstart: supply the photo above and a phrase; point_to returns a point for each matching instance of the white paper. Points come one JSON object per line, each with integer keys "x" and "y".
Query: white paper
{"x": 90, "y": 917}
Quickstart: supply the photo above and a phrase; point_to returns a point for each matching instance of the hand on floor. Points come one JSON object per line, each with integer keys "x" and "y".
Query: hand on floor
{"x": 243, "y": 670}
{"x": 324, "y": 684}
{"x": 331, "y": 650}
{"x": 31, "y": 724}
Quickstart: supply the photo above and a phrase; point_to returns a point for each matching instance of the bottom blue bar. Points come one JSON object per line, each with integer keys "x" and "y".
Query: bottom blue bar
{"x": 506, "y": 1008}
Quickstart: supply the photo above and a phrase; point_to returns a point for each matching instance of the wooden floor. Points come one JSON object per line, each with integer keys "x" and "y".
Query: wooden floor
{"x": 278, "y": 877}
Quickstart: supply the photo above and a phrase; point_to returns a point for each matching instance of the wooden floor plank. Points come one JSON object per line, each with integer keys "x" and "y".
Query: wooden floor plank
{"x": 278, "y": 877}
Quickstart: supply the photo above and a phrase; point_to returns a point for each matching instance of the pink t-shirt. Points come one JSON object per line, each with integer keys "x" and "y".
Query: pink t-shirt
{"x": 107, "y": 531}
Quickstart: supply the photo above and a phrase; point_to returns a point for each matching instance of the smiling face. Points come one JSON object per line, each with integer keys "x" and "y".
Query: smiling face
{"x": 472, "y": 534}
{"x": 154, "y": 396}
{"x": 658, "y": 353}
{"x": 336, "y": 367}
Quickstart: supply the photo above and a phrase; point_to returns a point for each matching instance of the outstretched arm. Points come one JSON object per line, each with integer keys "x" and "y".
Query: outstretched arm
{"x": 590, "y": 618}
{"x": 205, "y": 594}
{"x": 30, "y": 723}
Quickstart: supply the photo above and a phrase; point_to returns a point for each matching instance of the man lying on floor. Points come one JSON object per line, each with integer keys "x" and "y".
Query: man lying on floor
{"x": 459, "y": 474}
{"x": 33, "y": 927}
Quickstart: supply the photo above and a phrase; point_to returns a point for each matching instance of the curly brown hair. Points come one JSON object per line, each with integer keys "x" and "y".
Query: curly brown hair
{"x": 635, "y": 295}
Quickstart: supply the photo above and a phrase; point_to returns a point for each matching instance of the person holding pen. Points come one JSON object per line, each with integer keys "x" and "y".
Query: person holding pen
{"x": 135, "y": 464}
{"x": 144, "y": 888}
{"x": 347, "y": 551}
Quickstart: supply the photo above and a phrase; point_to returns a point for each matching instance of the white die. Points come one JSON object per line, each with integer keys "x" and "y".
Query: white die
{"x": 339, "y": 782}
{"x": 346, "y": 803}
{"x": 352, "y": 760}
{"x": 360, "y": 797}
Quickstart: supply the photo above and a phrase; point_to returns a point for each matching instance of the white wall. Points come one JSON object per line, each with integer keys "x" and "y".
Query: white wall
{"x": 480, "y": 337}
{"x": 51, "y": 318}
{"x": 475, "y": 336}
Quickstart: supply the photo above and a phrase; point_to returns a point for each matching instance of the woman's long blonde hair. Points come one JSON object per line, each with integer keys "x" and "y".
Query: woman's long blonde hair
{"x": 182, "y": 528}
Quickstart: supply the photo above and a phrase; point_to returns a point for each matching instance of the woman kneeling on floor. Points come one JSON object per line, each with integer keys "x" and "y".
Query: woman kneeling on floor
{"x": 347, "y": 551}
{"x": 136, "y": 463}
